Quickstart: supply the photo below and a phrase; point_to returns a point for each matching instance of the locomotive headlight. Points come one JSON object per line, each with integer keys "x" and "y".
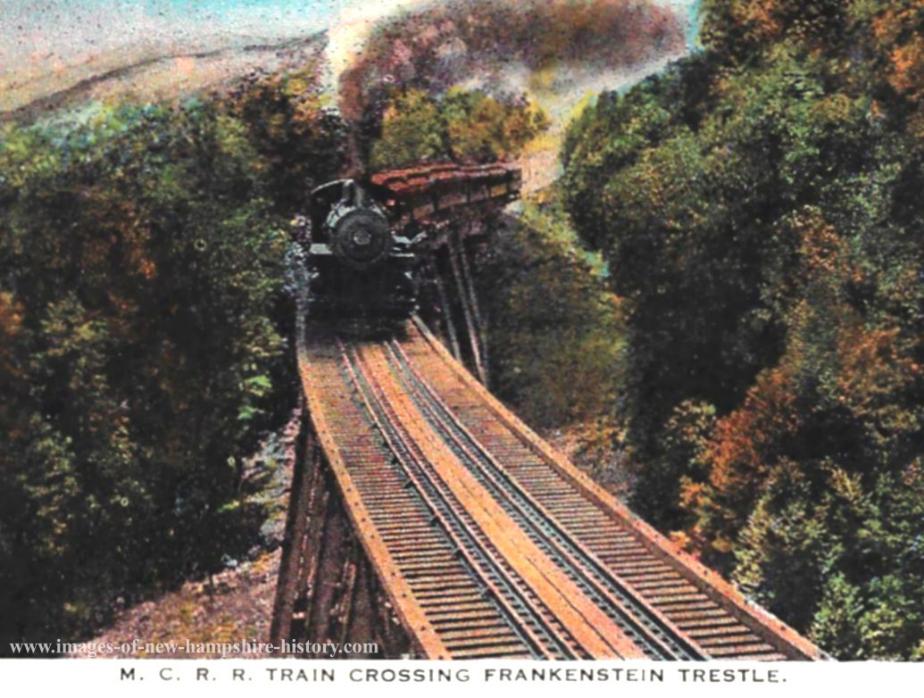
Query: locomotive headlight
{"x": 362, "y": 237}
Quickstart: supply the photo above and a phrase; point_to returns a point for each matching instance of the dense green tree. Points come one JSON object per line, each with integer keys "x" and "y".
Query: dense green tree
{"x": 555, "y": 331}
{"x": 412, "y": 131}
{"x": 482, "y": 128}
{"x": 141, "y": 358}
{"x": 757, "y": 206}
{"x": 300, "y": 137}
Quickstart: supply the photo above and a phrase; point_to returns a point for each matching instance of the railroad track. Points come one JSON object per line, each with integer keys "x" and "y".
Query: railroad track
{"x": 646, "y": 626}
{"x": 528, "y": 617}
{"x": 487, "y": 542}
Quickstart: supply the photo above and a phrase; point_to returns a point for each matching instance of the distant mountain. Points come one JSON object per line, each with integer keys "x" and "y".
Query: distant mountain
{"x": 152, "y": 76}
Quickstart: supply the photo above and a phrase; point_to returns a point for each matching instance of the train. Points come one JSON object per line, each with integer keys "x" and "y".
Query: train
{"x": 365, "y": 237}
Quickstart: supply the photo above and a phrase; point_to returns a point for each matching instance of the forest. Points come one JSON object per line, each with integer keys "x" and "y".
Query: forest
{"x": 758, "y": 205}
{"x": 142, "y": 339}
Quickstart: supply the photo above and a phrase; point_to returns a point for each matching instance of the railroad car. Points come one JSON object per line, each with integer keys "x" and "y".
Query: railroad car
{"x": 365, "y": 237}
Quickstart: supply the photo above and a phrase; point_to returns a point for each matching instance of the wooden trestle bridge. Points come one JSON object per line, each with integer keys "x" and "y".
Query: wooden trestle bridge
{"x": 428, "y": 518}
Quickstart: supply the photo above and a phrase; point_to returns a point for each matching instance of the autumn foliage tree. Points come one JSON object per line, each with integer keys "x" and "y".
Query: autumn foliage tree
{"x": 141, "y": 355}
{"x": 468, "y": 126}
{"x": 758, "y": 205}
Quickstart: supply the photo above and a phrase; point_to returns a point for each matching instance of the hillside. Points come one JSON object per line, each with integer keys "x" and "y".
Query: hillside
{"x": 147, "y": 75}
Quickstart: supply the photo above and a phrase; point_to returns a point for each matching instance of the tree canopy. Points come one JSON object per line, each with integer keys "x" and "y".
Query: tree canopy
{"x": 142, "y": 348}
{"x": 468, "y": 126}
{"x": 758, "y": 204}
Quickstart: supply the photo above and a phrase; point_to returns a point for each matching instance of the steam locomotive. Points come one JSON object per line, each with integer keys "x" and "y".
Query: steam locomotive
{"x": 365, "y": 238}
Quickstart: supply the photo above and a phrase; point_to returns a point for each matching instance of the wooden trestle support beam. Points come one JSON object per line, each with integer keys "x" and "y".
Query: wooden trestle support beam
{"x": 449, "y": 268}
{"x": 327, "y": 590}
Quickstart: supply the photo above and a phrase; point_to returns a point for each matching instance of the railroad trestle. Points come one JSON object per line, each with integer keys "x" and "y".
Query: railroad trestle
{"x": 426, "y": 517}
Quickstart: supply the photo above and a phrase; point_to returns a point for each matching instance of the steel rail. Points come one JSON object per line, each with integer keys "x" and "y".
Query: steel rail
{"x": 650, "y": 628}
{"x": 705, "y": 608}
{"x": 587, "y": 622}
{"x": 454, "y": 525}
